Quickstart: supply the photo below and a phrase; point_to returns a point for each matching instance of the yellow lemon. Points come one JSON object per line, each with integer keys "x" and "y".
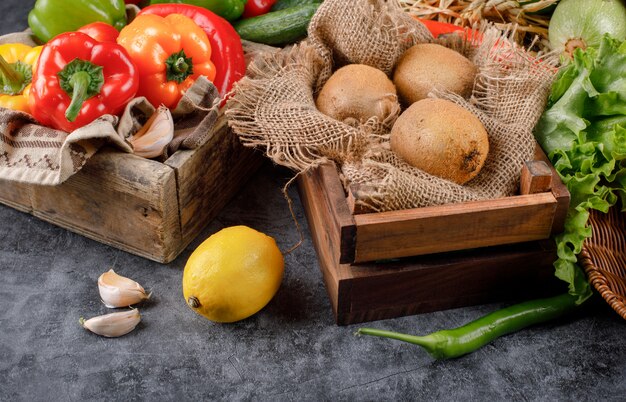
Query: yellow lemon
{"x": 233, "y": 274}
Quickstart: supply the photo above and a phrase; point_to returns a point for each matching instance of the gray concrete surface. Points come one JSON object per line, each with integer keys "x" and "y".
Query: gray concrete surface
{"x": 291, "y": 350}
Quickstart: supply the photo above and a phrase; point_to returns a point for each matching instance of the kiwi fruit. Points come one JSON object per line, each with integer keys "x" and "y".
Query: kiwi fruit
{"x": 357, "y": 92}
{"x": 424, "y": 67}
{"x": 441, "y": 138}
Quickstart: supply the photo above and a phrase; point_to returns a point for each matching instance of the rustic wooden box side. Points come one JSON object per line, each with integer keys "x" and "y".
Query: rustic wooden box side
{"x": 209, "y": 177}
{"x": 118, "y": 199}
{"x": 16, "y": 195}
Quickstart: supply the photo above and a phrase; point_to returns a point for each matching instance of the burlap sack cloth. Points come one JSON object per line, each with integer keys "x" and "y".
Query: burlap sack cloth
{"x": 273, "y": 107}
{"x": 34, "y": 154}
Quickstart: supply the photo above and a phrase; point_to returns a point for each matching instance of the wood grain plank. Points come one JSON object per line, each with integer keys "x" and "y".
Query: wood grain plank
{"x": 536, "y": 177}
{"x": 560, "y": 192}
{"x": 450, "y": 280}
{"x": 118, "y": 199}
{"x": 324, "y": 200}
{"x": 321, "y": 212}
{"x": 208, "y": 177}
{"x": 316, "y": 211}
{"x": 16, "y": 195}
{"x": 340, "y": 214}
{"x": 355, "y": 207}
{"x": 453, "y": 227}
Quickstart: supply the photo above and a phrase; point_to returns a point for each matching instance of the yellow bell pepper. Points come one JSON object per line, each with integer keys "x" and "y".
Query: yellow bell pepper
{"x": 17, "y": 65}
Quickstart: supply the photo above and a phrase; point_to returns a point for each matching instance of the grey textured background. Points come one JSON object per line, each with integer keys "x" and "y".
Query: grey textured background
{"x": 291, "y": 350}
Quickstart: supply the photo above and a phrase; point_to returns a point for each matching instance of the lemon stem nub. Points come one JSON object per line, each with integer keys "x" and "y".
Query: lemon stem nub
{"x": 193, "y": 302}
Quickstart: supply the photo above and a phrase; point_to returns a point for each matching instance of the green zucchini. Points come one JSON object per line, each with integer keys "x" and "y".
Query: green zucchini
{"x": 282, "y": 4}
{"x": 277, "y": 27}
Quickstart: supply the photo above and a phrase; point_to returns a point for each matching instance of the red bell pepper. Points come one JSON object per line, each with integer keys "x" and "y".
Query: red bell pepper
{"x": 227, "y": 52}
{"x": 254, "y": 8}
{"x": 79, "y": 79}
{"x": 100, "y": 31}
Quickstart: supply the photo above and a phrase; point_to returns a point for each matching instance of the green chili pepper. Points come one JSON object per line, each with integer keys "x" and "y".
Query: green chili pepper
{"x": 228, "y": 9}
{"x": 450, "y": 343}
{"x": 48, "y": 18}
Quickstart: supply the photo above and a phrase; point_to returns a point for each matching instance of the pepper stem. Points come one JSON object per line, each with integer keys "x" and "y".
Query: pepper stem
{"x": 426, "y": 342}
{"x": 81, "y": 80}
{"x": 80, "y": 84}
{"x": 178, "y": 67}
{"x": 181, "y": 66}
{"x": 14, "y": 76}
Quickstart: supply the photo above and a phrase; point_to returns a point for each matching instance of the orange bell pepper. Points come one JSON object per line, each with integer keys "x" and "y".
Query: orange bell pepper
{"x": 170, "y": 53}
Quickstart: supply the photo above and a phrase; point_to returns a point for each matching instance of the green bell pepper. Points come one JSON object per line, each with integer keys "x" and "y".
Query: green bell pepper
{"x": 229, "y": 9}
{"x": 48, "y": 18}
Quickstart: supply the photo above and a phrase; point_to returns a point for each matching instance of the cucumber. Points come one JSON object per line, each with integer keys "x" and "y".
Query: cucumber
{"x": 282, "y": 4}
{"x": 277, "y": 27}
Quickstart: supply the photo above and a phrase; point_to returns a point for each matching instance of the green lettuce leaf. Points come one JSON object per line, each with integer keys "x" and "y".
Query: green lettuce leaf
{"x": 583, "y": 132}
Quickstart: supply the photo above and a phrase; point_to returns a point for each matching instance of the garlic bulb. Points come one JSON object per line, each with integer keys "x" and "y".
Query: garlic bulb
{"x": 114, "y": 324}
{"x": 152, "y": 139}
{"x": 119, "y": 291}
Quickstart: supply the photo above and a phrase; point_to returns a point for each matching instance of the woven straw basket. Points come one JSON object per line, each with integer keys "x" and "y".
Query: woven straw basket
{"x": 604, "y": 257}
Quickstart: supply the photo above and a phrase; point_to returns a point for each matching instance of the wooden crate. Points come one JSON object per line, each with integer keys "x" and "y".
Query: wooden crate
{"x": 145, "y": 207}
{"x": 471, "y": 253}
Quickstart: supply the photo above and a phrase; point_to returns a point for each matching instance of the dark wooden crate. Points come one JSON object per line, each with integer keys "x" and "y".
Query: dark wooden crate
{"x": 459, "y": 255}
{"x": 145, "y": 207}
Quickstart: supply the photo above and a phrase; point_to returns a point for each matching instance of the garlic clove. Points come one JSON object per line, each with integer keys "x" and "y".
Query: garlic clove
{"x": 114, "y": 324}
{"x": 119, "y": 291}
{"x": 152, "y": 139}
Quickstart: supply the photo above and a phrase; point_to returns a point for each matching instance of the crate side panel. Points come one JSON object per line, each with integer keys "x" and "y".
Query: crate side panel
{"x": 325, "y": 235}
{"x": 16, "y": 195}
{"x": 454, "y": 227}
{"x": 451, "y": 280}
{"x": 559, "y": 190}
{"x": 322, "y": 193}
{"x": 208, "y": 178}
{"x": 120, "y": 200}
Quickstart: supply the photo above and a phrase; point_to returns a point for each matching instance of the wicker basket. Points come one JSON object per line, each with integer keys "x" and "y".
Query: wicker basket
{"x": 604, "y": 257}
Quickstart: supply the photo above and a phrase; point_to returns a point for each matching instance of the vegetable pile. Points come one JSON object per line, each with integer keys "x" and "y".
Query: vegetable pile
{"x": 583, "y": 131}
{"x": 95, "y": 58}
{"x": 531, "y": 17}
{"x": 544, "y": 25}
{"x": 94, "y": 61}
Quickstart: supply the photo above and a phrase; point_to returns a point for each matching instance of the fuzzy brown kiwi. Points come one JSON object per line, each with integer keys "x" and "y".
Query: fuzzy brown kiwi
{"x": 357, "y": 92}
{"x": 426, "y": 66}
{"x": 441, "y": 138}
